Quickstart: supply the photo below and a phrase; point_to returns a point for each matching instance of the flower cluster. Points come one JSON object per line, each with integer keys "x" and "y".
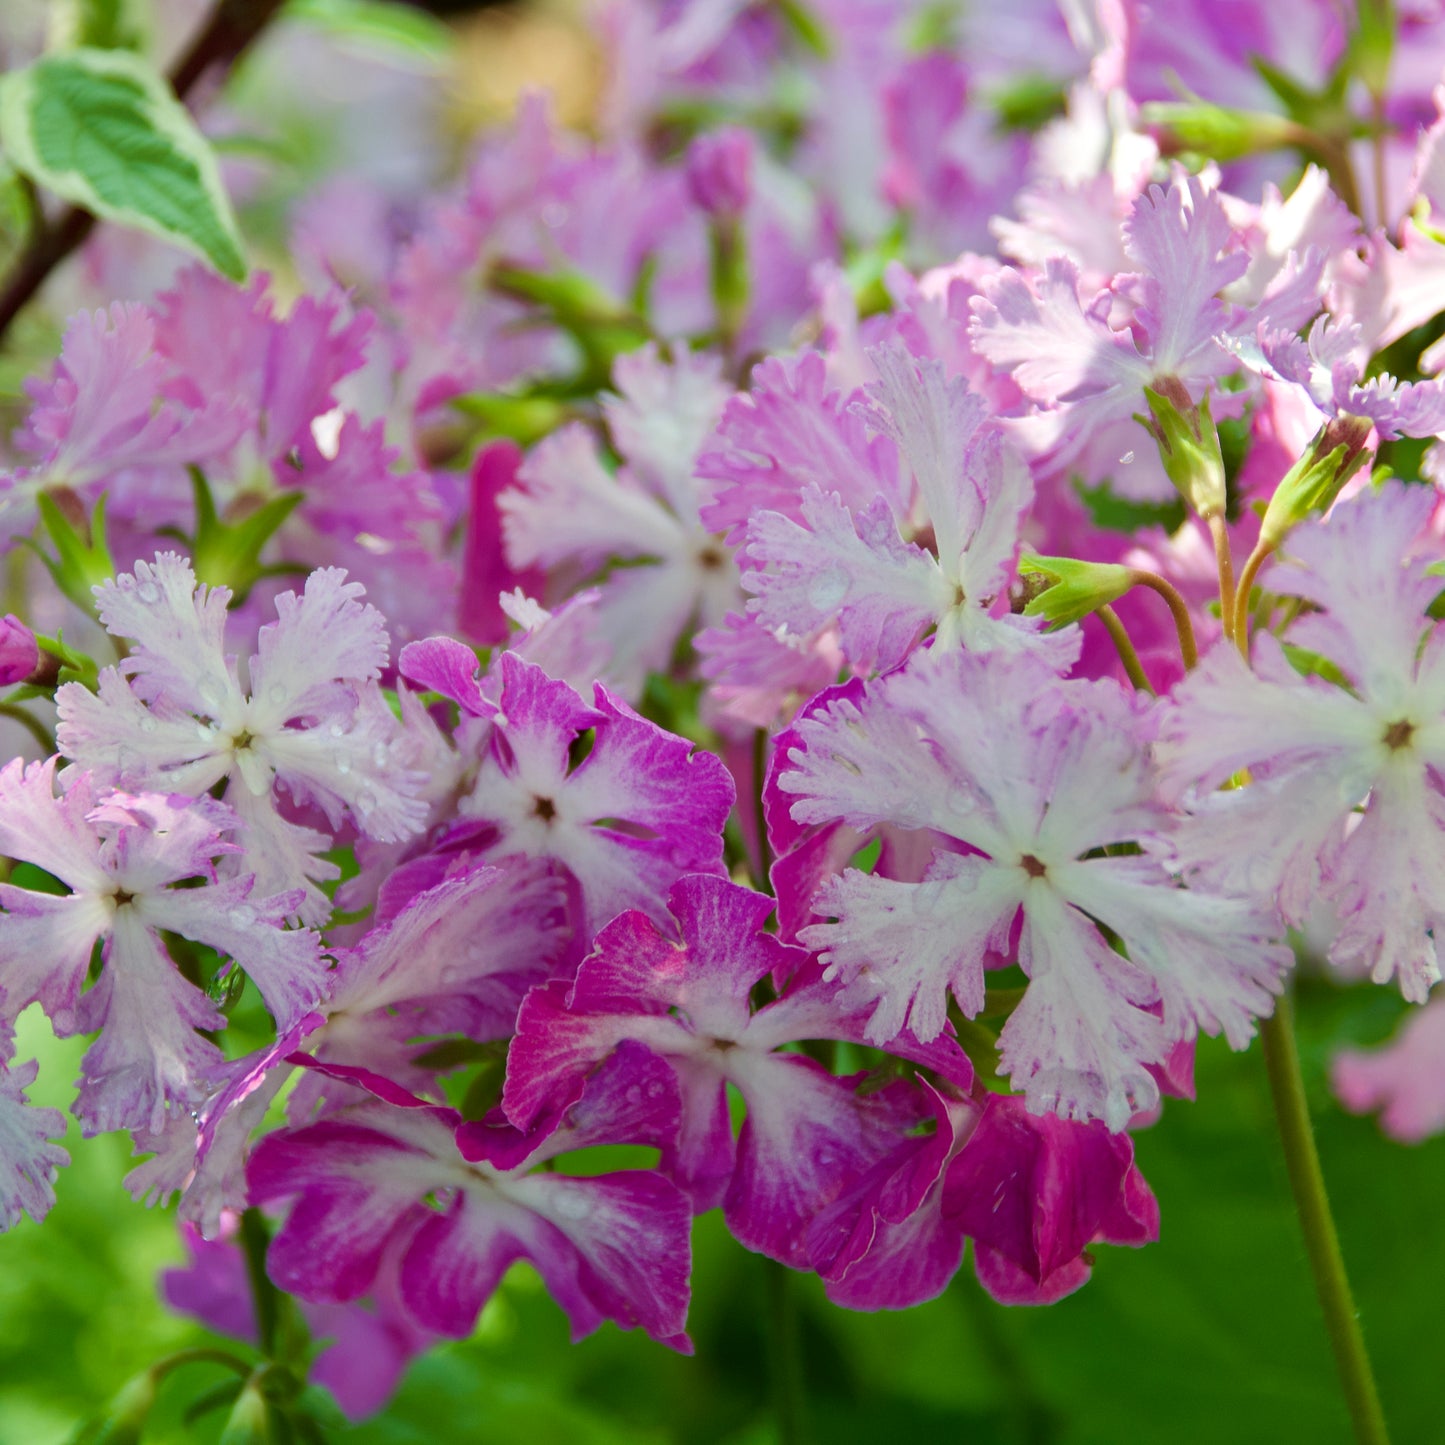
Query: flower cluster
{"x": 777, "y": 737}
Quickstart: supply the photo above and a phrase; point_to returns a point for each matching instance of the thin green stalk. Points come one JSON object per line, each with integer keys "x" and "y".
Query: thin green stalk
{"x": 31, "y": 724}
{"x": 1297, "y": 1138}
{"x": 1125, "y": 648}
{"x": 786, "y": 1356}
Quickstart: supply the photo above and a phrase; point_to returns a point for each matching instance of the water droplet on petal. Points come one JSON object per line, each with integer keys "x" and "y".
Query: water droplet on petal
{"x": 1126, "y": 459}
{"x": 343, "y": 764}
{"x": 337, "y": 731}
{"x": 147, "y": 723}
{"x": 380, "y": 755}
{"x": 365, "y": 800}
{"x": 242, "y": 915}
{"x": 276, "y": 692}
{"x": 148, "y": 592}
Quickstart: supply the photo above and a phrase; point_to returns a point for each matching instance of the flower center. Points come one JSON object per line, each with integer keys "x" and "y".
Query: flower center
{"x": 1398, "y": 734}
{"x": 1032, "y": 866}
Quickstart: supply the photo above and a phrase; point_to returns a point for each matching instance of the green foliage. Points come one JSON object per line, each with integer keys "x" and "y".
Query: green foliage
{"x": 1122, "y": 514}
{"x": 399, "y": 31}
{"x": 102, "y": 129}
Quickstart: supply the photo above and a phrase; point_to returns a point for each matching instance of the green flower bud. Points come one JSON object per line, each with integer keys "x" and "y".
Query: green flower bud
{"x": 1188, "y": 444}
{"x": 1071, "y": 589}
{"x": 1335, "y": 454}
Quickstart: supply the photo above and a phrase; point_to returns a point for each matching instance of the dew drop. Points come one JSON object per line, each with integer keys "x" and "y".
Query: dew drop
{"x": 1126, "y": 459}
{"x": 276, "y": 692}
{"x": 148, "y": 592}
{"x": 828, "y": 589}
{"x": 343, "y": 764}
{"x": 380, "y": 754}
{"x": 242, "y": 915}
{"x": 337, "y": 731}
{"x": 365, "y": 800}
{"x": 634, "y": 1094}
{"x": 147, "y": 724}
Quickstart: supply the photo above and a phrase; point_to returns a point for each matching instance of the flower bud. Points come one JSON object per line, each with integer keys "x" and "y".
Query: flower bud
{"x": 1312, "y": 484}
{"x": 19, "y": 651}
{"x": 720, "y": 172}
{"x": 1070, "y": 589}
{"x": 1188, "y": 444}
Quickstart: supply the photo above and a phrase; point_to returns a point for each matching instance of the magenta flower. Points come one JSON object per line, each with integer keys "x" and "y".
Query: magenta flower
{"x": 625, "y": 821}
{"x": 458, "y": 1203}
{"x": 1033, "y": 1193}
{"x": 807, "y": 1133}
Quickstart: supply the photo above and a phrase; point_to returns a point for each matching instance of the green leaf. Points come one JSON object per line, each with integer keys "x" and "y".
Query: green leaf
{"x": 400, "y": 30}
{"x": 1121, "y": 514}
{"x": 102, "y": 129}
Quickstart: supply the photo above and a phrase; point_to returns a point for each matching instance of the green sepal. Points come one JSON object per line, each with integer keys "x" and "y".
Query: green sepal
{"x": 1188, "y": 445}
{"x": 1071, "y": 589}
{"x": 81, "y": 563}
{"x": 602, "y": 328}
{"x": 522, "y": 419}
{"x": 1222, "y": 134}
{"x": 249, "y": 1422}
{"x": 1334, "y": 455}
{"x": 228, "y": 554}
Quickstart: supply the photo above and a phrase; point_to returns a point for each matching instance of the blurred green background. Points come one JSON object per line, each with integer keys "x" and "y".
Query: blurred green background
{"x": 1210, "y": 1335}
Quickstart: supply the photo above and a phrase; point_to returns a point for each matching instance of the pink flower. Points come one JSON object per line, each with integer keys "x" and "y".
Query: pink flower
{"x": 1037, "y": 782}
{"x": 176, "y": 715}
{"x": 1318, "y": 750}
{"x": 120, "y": 855}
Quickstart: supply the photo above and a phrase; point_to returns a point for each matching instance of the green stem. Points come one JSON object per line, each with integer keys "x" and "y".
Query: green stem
{"x": 786, "y": 1355}
{"x": 1178, "y": 609}
{"x": 1125, "y": 649}
{"x": 32, "y": 725}
{"x": 255, "y": 1239}
{"x": 1307, "y": 1181}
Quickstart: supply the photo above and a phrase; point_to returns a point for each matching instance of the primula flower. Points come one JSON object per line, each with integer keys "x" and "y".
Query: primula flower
{"x": 807, "y": 1133}
{"x": 459, "y": 1203}
{"x": 1344, "y": 806}
{"x": 450, "y": 951}
{"x": 637, "y": 810}
{"x": 1032, "y": 1192}
{"x": 1038, "y": 782}
{"x": 1404, "y": 1079}
{"x": 570, "y": 510}
{"x": 107, "y": 410}
{"x": 1086, "y": 378}
{"x": 968, "y": 491}
{"x": 179, "y": 715}
{"x": 120, "y": 856}
{"x": 1330, "y": 363}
